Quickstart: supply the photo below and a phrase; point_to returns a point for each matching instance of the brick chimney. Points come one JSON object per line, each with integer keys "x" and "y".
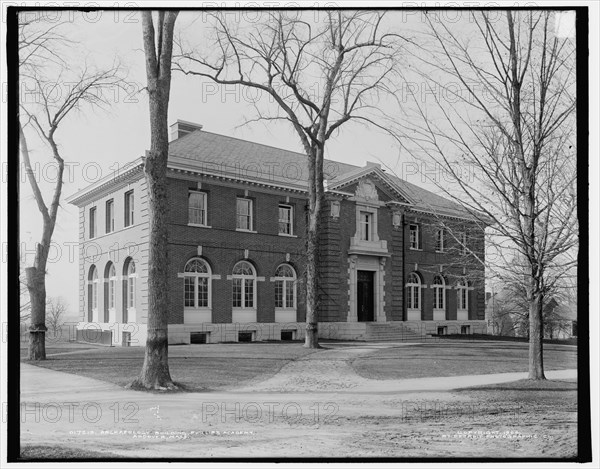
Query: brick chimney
{"x": 181, "y": 128}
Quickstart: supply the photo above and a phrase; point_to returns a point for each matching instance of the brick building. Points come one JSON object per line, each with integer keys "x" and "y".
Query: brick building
{"x": 394, "y": 258}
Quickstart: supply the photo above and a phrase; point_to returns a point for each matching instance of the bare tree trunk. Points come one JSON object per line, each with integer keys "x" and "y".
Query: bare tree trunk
{"x": 312, "y": 288}
{"x": 536, "y": 334}
{"x": 155, "y": 371}
{"x": 36, "y": 286}
{"x": 315, "y": 174}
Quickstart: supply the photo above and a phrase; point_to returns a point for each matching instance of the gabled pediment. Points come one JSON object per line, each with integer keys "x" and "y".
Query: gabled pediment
{"x": 371, "y": 184}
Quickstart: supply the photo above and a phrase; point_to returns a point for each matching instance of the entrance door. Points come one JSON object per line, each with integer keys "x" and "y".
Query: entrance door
{"x": 364, "y": 292}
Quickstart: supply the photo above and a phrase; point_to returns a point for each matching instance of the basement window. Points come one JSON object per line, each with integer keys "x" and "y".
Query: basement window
{"x": 245, "y": 336}
{"x": 288, "y": 335}
{"x": 198, "y": 337}
{"x": 442, "y": 330}
{"x": 465, "y": 329}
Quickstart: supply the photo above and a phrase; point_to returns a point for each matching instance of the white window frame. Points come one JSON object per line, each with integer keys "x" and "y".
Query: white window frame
{"x": 94, "y": 281}
{"x": 203, "y": 211}
{"x": 131, "y": 286}
{"x": 463, "y": 241}
{"x": 440, "y": 240}
{"x": 285, "y": 281}
{"x": 112, "y": 287}
{"x": 290, "y": 222}
{"x": 414, "y": 287}
{"x": 129, "y": 208}
{"x": 245, "y": 279}
{"x": 462, "y": 288}
{"x": 93, "y": 225}
{"x": 250, "y": 214}
{"x": 417, "y": 232}
{"x": 439, "y": 293}
{"x": 365, "y": 226}
{"x": 196, "y": 276}
{"x": 110, "y": 215}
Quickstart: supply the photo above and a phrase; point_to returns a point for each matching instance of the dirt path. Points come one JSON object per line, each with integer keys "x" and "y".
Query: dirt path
{"x": 315, "y": 406}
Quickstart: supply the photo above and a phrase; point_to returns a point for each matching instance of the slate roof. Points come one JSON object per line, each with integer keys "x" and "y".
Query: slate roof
{"x": 260, "y": 162}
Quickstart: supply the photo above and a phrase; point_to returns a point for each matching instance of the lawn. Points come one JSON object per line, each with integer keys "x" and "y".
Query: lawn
{"x": 454, "y": 358}
{"x": 43, "y": 453}
{"x": 196, "y": 367}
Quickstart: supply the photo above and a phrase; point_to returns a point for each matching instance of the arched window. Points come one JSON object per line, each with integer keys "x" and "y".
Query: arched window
{"x": 110, "y": 281}
{"x": 439, "y": 292}
{"x": 413, "y": 291}
{"x": 244, "y": 285}
{"x": 285, "y": 287}
{"x": 462, "y": 291}
{"x": 129, "y": 287}
{"x": 93, "y": 293}
{"x": 196, "y": 287}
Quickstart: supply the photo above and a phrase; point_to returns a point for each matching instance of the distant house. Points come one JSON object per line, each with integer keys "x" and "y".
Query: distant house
{"x": 507, "y": 315}
{"x": 392, "y": 254}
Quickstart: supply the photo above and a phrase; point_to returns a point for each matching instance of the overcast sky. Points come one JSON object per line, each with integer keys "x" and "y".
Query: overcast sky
{"x": 96, "y": 143}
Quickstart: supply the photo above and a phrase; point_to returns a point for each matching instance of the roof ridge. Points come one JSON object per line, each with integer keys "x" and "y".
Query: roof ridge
{"x": 260, "y": 144}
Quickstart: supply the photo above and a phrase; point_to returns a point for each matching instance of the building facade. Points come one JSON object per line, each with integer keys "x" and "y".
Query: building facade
{"x": 393, "y": 256}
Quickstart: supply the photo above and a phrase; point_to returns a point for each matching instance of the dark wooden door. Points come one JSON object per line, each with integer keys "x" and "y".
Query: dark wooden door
{"x": 364, "y": 293}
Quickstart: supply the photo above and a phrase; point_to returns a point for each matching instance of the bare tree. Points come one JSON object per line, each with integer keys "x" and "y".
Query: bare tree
{"x": 158, "y": 47}
{"x": 56, "y": 98}
{"x": 320, "y": 76}
{"x": 56, "y": 307}
{"x": 511, "y": 121}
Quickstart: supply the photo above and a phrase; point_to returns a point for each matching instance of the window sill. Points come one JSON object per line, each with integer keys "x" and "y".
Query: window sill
{"x": 441, "y": 252}
{"x": 287, "y": 235}
{"x": 201, "y": 308}
{"x": 246, "y": 231}
{"x": 198, "y": 225}
{"x": 415, "y": 249}
{"x": 118, "y": 230}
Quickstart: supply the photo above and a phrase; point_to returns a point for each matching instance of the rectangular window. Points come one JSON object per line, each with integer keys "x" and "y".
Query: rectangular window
{"x": 279, "y": 294}
{"x": 463, "y": 299}
{"x": 95, "y": 295}
{"x": 111, "y": 294}
{"x": 438, "y": 297}
{"x": 285, "y": 220}
{"x": 289, "y": 294}
{"x": 131, "y": 298}
{"x": 202, "y": 292}
{"x": 413, "y": 297}
{"x": 237, "y": 292}
{"x": 92, "y": 222}
{"x": 188, "y": 292}
{"x": 110, "y": 216}
{"x": 197, "y": 208}
{"x": 248, "y": 293}
{"x": 439, "y": 240}
{"x": 414, "y": 237}
{"x": 365, "y": 226}
{"x": 129, "y": 208}
{"x": 244, "y": 214}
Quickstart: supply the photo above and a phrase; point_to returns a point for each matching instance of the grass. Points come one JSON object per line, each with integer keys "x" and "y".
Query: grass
{"x": 569, "y": 341}
{"x": 194, "y": 367}
{"x": 223, "y": 366}
{"x": 454, "y": 358}
{"x": 534, "y": 399}
{"x": 47, "y": 452}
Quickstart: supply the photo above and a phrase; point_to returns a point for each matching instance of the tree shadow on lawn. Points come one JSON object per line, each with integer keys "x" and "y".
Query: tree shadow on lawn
{"x": 535, "y": 395}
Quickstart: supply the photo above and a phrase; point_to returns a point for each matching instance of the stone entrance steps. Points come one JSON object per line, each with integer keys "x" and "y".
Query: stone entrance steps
{"x": 394, "y": 331}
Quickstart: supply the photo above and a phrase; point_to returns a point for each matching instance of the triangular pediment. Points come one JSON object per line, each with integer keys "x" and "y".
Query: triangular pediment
{"x": 371, "y": 184}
